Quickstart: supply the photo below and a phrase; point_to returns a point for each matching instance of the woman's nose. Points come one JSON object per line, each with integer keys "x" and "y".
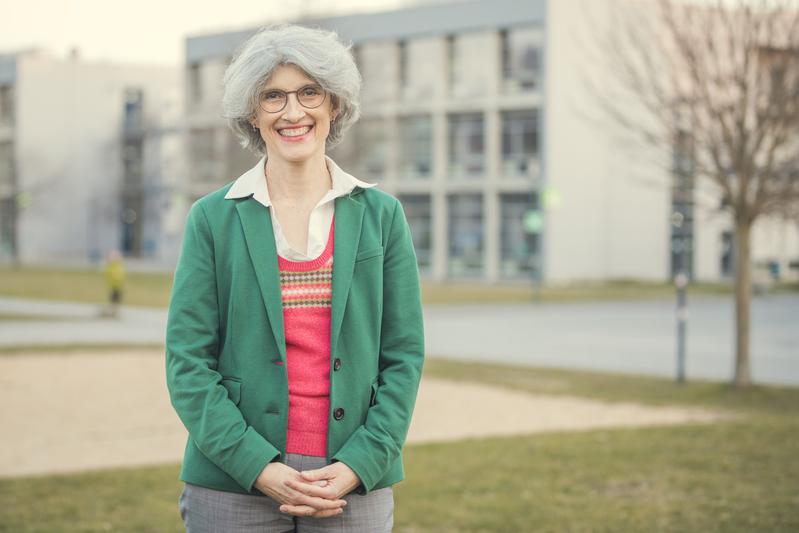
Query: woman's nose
{"x": 294, "y": 110}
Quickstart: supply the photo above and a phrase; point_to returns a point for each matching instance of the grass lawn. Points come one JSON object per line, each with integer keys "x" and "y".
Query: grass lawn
{"x": 152, "y": 289}
{"x": 740, "y": 475}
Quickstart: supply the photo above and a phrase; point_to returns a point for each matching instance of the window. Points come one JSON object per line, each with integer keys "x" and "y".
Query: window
{"x": 134, "y": 111}
{"x": 6, "y": 103}
{"x": 727, "y": 259}
{"x": 8, "y": 227}
{"x": 204, "y": 159}
{"x": 416, "y": 146}
{"x": 465, "y": 52}
{"x": 195, "y": 83}
{"x": 521, "y": 62}
{"x": 465, "y": 234}
{"x": 520, "y": 241}
{"x": 421, "y": 66}
{"x": 419, "y": 215}
{"x": 6, "y": 165}
{"x": 466, "y": 146}
{"x": 378, "y": 72}
{"x": 520, "y": 143}
{"x": 371, "y": 156}
{"x": 403, "y": 63}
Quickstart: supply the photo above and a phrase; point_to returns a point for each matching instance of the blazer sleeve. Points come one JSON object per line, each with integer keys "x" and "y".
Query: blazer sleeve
{"x": 375, "y": 445}
{"x": 213, "y": 421}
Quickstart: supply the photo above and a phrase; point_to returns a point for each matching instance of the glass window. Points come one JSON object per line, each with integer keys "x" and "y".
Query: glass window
{"x": 378, "y": 72}
{"x": 520, "y": 241}
{"x": 6, "y": 164}
{"x": 519, "y": 143}
{"x": 465, "y": 234}
{"x": 466, "y": 147}
{"x": 371, "y": 156}
{"x": 195, "y": 83}
{"x": 421, "y": 64}
{"x": 418, "y": 212}
{"x": 468, "y": 55}
{"x": 203, "y": 154}
{"x": 6, "y": 103}
{"x": 8, "y": 218}
{"x": 727, "y": 259}
{"x": 134, "y": 111}
{"x": 521, "y": 59}
{"x": 416, "y": 146}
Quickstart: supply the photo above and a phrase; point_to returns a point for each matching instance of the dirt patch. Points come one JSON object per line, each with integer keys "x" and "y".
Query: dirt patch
{"x": 77, "y": 411}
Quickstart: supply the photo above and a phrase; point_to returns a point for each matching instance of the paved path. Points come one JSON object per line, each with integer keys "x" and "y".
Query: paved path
{"x": 629, "y": 336}
{"x": 632, "y": 336}
{"x": 77, "y": 411}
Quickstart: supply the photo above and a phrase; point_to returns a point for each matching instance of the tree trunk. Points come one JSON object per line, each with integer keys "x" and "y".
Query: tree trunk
{"x": 743, "y": 299}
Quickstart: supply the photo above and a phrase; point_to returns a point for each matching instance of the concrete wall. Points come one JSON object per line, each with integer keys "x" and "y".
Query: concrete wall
{"x": 68, "y": 149}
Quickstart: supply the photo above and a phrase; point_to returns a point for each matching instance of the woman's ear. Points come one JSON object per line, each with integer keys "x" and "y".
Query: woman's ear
{"x": 334, "y": 108}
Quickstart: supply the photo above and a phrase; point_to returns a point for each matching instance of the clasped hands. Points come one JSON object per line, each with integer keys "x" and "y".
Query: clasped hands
{"x": 318, "y": 493}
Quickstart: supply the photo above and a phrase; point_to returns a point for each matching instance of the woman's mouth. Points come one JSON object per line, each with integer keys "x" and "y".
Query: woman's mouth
{"x": 295, "y": 134}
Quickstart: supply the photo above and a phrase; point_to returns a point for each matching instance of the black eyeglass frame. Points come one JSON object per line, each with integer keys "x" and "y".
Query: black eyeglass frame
{"x": 287, "y": 93}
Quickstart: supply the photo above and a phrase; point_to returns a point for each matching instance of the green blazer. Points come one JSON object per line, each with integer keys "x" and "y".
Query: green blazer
{"x": 226, "y": 350}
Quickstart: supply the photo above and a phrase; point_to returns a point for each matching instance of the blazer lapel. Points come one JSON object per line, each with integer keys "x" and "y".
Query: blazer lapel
{"x": 348, "y": 219}
{"x": 257, "y": 223}
{"x": 260, "y": 239}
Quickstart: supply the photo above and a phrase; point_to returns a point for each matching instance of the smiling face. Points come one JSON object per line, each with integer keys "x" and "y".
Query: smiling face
{"x": 295, "y": 133}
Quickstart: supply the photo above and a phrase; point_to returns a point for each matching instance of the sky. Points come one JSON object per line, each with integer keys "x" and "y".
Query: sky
{"x": 148, "y": 31}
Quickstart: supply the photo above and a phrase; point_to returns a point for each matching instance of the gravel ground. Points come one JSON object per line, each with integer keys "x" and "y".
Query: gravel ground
{"x": 73, "y": 411}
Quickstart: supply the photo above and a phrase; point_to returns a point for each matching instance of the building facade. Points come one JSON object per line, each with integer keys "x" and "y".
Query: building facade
{"x": 476, "y": 117}
{"x": 91, "y": 155}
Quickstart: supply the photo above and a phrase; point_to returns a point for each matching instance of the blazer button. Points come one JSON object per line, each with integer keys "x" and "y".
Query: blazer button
{"x": 338, "y": 414}
{"x": 336, "y": 364}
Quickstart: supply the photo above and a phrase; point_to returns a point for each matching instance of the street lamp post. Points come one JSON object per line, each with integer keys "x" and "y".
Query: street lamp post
{"x": 681, "y": 281}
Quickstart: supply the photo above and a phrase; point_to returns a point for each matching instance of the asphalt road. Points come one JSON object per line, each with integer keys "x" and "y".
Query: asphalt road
{"x": 628, "y": 336}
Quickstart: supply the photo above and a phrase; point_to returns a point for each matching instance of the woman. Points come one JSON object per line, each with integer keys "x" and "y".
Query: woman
{"x": 294, "y": 343}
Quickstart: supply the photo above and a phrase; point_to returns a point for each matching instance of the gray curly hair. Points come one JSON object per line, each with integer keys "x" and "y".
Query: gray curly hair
{"x": 320, "y": 53}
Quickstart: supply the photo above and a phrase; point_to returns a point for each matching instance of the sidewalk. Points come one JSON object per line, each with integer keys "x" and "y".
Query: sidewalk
{"x": 65, "y": 323}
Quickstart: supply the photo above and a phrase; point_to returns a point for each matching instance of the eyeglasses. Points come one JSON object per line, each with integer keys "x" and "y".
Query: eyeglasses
{"x": 309, "y": 96}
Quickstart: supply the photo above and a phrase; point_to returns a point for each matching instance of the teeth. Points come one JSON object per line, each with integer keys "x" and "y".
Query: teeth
{"x": 295, "y": 132}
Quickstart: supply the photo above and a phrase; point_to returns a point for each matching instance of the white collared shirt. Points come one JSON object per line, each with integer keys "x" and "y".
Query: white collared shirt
{"x": 253, "y": 182}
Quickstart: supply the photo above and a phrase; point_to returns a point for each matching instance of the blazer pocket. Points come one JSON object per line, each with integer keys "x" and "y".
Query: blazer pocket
{"x": 373, "y": 393}
{"x": 233, "y": 389}
{"x": 368, "y": 254}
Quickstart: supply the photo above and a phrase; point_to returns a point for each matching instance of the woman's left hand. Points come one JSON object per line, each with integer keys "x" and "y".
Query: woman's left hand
{"x": 340, "y": 479}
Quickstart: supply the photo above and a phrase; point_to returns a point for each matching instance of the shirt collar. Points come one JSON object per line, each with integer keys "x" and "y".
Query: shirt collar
{"x": 253, "y": 182}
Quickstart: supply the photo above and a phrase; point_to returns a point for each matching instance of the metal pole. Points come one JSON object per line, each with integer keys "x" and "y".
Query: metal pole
{"x": 681, "y": 280}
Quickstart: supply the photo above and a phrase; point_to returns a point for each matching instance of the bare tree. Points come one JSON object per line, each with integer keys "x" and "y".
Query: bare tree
{"x": 723, "y": 78}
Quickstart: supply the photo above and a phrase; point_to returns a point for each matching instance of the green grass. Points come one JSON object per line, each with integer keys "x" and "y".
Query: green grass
{"x": 88, "y": 286}
{"x": 152, "y": 289}
{"x": 615, "y": 387}
{"x": 68, "y": 349}
{"x": 736, "y": 475}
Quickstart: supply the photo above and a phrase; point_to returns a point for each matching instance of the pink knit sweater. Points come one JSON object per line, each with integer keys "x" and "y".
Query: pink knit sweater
{"x": 306, "y": 294}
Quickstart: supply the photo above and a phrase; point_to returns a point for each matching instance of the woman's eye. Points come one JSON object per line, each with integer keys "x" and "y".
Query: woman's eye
{"x": 273, "y": 96}
{"x": 310, "y": 91}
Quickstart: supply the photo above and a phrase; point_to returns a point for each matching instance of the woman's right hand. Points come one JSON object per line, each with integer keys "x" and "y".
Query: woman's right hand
{"x": 271, "y": 481}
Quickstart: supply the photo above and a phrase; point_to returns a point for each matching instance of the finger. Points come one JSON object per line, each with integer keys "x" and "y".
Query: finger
{"x": 326, "y": 514}
{"x": 297, "y": 510}
{"x": 306, "y": 510}
{"x": 298, "y": 498}
{"x": 310, "y": 489}
{"x": 319, "y": 473}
